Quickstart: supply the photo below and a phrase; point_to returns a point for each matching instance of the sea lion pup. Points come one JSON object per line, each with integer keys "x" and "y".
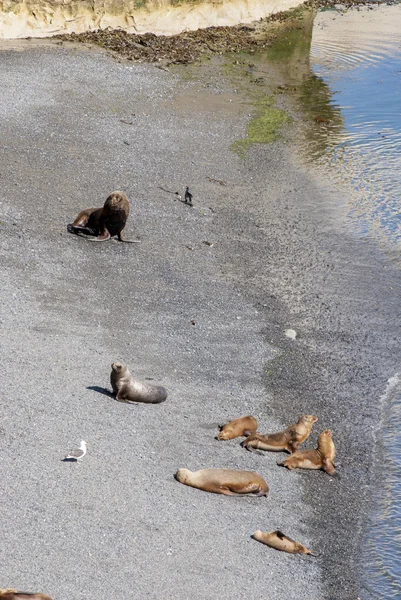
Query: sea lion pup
{"x": 289, "y": 439}
{"x": 104, "y": 223}
{"x": 129, "y": 389}
{"x": 278, "y": 540}
{"x": 321, "y": 458}
{"x": 238, "y": 427}
{"x": 224, "y": 481}
{"x": 15, "y": 595}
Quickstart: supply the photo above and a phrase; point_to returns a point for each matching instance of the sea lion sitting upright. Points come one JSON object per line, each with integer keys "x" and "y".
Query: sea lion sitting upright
{"x": 278, "y": 540}
{"x": 15, "y": 595}
{"x": 104, "y": 223}
{"x": 129, "y": 389}
{"x": 224, "y": 481}
{"x": 289, "y": 439}
{"x": 321, "y": 458}
{"x": 238, "y": 427}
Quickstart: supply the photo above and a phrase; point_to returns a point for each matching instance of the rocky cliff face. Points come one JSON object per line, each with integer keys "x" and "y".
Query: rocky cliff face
{"x": 44, "y": 18}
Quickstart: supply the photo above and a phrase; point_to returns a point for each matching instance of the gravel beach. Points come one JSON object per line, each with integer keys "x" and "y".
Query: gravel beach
{"x": 206, "y": 320}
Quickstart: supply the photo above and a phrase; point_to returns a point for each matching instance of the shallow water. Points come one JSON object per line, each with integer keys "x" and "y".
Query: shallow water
{"x": 383, "y": 552}
{"x": 358, "y": 136}
{"x": 345, "y": 78}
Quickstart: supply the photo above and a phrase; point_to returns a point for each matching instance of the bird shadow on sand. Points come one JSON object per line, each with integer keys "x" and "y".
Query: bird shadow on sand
{"x": 101, "y": 390}
{"x": 69, "y": 460}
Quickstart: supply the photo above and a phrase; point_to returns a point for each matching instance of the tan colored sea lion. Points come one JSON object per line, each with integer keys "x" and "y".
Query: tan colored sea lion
{"x": 278, "y": 540}
{"x": 224, "y": 481}
{"x": 321, "y": 458}
{"x": 289, "y": 439}
{"x": 129, "y": 389}
{"x": 238, "y": 427}
{"x": 104, "y": 223}
{"x": 15, "y": 595}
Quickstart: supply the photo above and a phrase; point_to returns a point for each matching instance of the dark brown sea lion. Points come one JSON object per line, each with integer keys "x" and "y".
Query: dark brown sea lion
{"x": 321, "y": 458}
{"x": 289, "y": 439}
{"x": 238, "y": 427}
{"x": 277, "y": 539}
{"x": 129, "y": 389}
{"x": 15, "y": 595}
{"x": 224, "y": 481}
{"x": 104, "y": 223}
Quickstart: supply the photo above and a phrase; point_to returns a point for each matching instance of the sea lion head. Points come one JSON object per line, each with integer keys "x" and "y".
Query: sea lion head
{"x": 224, "y": 434}
{"x": 327, "y": 433}
{"x": 182, "y": 475}
{"x": 116, "y": 201}
{"x": 308, "y": 419}
{"x": 118, "y": 367}
{"x": 324, "y": 441}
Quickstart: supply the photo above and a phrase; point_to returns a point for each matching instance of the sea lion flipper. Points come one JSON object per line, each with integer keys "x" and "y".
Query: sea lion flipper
{"x": 254, "y": 450}
{"x": 227, "y": 492}
{"x": 329, "y": 467}
{"x": 80, "y": 230}
{"x": 292, "y": 446}
{"x": 103, "y": 237}
{"x": 121, "y": 397}
{"x": 251, "y": 488}
{"x": 121, "y": 238}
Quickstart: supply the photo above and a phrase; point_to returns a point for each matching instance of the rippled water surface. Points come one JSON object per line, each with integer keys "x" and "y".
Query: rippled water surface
{"x": 358, "y": 135}
{"x": 382, "y": 557}
{"x": 358, "y": 55}
{"x": 343, "y": 71}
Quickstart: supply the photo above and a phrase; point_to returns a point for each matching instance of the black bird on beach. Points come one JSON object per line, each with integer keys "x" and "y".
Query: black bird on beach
{"x": 188, "y": 196}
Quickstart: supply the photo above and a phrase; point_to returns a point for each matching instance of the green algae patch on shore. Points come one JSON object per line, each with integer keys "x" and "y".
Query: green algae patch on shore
{"x": 265, "y": 127}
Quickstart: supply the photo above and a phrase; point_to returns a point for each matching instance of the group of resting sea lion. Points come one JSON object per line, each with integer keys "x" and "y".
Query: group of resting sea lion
{"x": 288, "y": 440}
{"x": 232, "y": 482}
{"x": 101, "y": 224}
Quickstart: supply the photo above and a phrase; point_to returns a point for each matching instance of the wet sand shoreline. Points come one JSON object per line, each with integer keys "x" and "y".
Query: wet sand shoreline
{"x": 280, "y": 258}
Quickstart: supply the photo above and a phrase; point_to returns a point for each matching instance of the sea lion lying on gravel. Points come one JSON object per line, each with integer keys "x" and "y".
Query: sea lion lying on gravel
{"x": 321, "y": 458}
{"x": 224, "y": 481}
{"x": 289, "y": 439}
{"x": 104, "y": 223}
{"x": 238, "y": 427}
{"x": 277, "y": 539}
{"x": 15, "y": 595}
{"x": 129, "y": 389}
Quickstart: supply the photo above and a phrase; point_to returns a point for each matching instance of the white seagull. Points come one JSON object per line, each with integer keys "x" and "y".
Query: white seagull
{"x": 77, "y": 454}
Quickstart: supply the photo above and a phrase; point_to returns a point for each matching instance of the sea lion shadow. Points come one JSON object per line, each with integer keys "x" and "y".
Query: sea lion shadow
{"x": 210, "y": 426}
{"x": 101, "y": 390}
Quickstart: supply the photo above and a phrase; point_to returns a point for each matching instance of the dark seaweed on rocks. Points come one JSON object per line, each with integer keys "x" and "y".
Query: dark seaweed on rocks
{"x": 184, "y": 48}
{"x": 191, "y": 46}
